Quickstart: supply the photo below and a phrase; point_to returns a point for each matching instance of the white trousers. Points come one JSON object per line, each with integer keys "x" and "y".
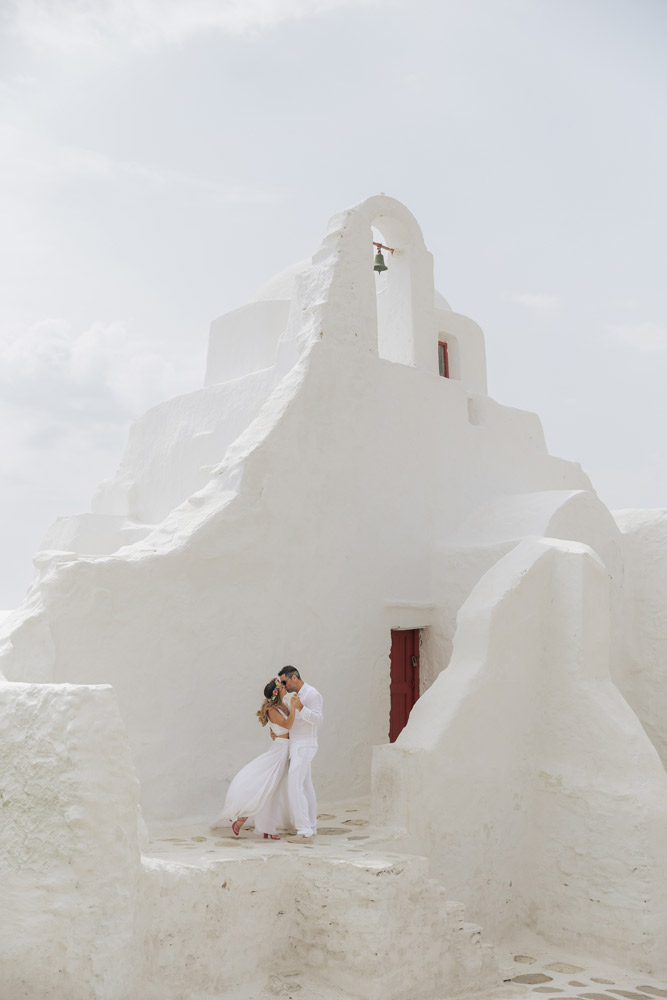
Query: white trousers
{"x": 300, "y": 791}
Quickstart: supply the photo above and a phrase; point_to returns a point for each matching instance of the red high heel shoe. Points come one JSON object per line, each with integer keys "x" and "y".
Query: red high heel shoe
{"x": 271, "y": 836}
{"x": 237, "y": 824}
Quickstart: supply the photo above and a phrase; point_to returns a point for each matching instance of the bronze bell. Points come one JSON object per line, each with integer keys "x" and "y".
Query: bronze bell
{"x": 379, "y": 264}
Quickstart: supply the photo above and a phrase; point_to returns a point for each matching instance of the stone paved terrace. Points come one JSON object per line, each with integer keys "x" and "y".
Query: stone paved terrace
{"x": 342, "y": 830}
{"x": 529, "y": 968}
{"x": 540, "y": 970}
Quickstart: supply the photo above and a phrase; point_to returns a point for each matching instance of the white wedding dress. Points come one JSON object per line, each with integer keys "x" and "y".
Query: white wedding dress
{"x": 259, "y": 790}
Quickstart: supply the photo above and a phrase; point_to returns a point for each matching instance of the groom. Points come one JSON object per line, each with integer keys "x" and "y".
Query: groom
{"x": 302, "y": 748}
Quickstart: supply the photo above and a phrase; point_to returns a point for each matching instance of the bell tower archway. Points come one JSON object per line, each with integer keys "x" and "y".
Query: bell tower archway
{"x": 393, "y": 289}
{"x": 404, "y": 292}
{"x": 393, "y": 317}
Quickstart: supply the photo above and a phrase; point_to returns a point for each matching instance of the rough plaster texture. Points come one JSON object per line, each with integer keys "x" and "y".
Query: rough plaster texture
{"x": 524, "y": 774}
{"x": 69, "y": 852}
{"x": 358, "y": 926}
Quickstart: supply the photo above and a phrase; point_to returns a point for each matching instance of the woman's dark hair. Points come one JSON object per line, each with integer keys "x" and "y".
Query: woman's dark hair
{"x": 271, "y": 689}
{"x": 271, "y": 699}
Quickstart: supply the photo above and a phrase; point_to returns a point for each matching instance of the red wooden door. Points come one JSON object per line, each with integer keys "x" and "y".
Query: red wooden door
{"x": 404, "y": 677}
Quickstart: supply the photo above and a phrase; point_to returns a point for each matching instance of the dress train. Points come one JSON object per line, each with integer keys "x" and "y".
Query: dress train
{"x": 259, "y": 790}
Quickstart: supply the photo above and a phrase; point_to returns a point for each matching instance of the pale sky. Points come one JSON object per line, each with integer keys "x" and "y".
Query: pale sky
{"x": 161, "y": 160}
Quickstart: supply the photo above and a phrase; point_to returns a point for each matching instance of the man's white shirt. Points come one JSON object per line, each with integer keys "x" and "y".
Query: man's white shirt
{"x": 307, "y": 719}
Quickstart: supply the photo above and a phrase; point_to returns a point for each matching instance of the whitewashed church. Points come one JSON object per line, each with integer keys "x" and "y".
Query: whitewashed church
{"x": 490, "y": 642}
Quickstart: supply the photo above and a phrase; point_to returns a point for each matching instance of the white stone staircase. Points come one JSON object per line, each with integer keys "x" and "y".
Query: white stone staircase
{"x": 374, "y": 926}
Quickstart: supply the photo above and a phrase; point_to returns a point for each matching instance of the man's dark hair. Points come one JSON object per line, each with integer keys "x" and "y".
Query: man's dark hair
{"x": 290, "y": 672}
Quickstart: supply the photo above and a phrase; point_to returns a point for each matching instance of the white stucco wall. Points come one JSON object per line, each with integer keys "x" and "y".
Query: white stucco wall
{"x": 225, "y": 929}
{"x": 173, "y": 447}
{"x": 245, "y": 340}
{"x": 466, "y": 350}
{"x": 69, "y": 850}
{"x": 524, "y": 774}
{"x": 494, "y": 528}
{"x": 640, "y": 669}
{"x": 89, "y": 533}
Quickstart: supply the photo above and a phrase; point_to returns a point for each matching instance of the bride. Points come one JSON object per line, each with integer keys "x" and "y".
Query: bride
{"x": 260, "y": 789}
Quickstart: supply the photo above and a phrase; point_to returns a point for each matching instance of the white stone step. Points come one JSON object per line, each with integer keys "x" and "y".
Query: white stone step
{"x": 375, "y": 927}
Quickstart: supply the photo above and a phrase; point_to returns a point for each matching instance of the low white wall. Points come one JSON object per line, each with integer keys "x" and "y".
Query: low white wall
{"x": 69, "y": 852}
{"x": 231, "y": 927}
{"x": 494, "y": 528}
{"x": 525, "y": 776}
{"x": 219, "y": 930}
{"x": 641, "y": 670}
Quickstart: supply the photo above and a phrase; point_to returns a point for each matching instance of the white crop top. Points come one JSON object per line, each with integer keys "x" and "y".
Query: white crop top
{"x": 276, "y": 728}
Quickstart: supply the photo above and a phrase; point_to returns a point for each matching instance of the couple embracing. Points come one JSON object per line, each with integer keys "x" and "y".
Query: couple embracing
{"x": 276, "y": 789}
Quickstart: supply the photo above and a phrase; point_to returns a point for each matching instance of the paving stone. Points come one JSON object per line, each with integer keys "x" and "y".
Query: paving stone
{"x": 547, "y": 989}
{"x": 356, "y": 822}
{"x": 330, "y": 831}
{"x": 607, "y": 982}
{"x": 364, "y": 837}
{"x": 574, "y": 982}
{"x": 629, "y": 994}
{"x": 200, "y": 840}
{"x": 325, "y": 816}
{"x": 653, "y": 990}
{"x": 564, "y": 967}
{"x": 525, "y": 959}
{"x": 594, "y": 996}
{"x": 533, "y": 977}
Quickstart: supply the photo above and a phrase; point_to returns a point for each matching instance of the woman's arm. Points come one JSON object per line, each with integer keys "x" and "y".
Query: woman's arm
{"x": 280, "y": 720}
